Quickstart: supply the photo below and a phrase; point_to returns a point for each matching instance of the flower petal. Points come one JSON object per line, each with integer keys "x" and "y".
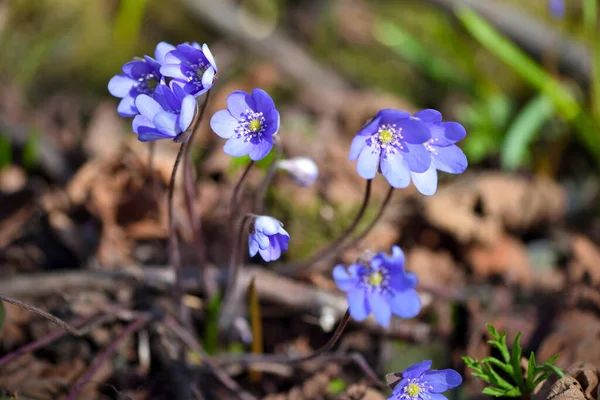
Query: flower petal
{"x": 426, "y": 182}
{"x": 208, "y": 79}
{"x": 392, "y": 116}
{"x": 343, "y": 279}
{"x": 370, "y": 127}
{"x": 120, "y": 85}
{"x": 417, "y": 157}
{"x": 368, "y": 162}
{"x": 357, "y": 304}
{"x": 450, "y": 159}
{"x": 261, "y": 149}
{"x": 429, "y": 115}
{"x": 145, "y": 129}
{"x": 147, "y": 106}
{"x": 166, "y": 123}
{"x": 127, "y": 107}
{"x": 414, "y": 131}
{"x": 264, "y": 102}
{"x": 358, "y": 143}
{"x": 272, "y": 252}
{"x": 209, "y": 56}
{"x": 415, "y": 371}
{"x": 380, "y": 308}
{"x": 395, "y": 169}
{"x": 237, "y": 147}
{"x": 252, "y": 246}
{"x": 267, "y": 225}
{"x": 442, "y": 380}
{"x": 405, "y": 304}
{"x": 454, "y": 131}
{"x": 161, "y": 51}
{"x": 172, "y": 70}
{"x": 188, "y": 110}
{"x": 239, "y": 102}
{"x": 223, "y": 124}
{"x": 283, "y": 238}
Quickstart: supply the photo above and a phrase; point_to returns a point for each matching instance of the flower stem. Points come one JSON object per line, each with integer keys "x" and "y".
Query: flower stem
{"x": 364, "y": 233}
{"x": 190, "y": 199}
{"x": 233, "y": 207}
{"x": 234, "y": 258}
{"x": 259, "y": 201}
{"x": 130, "y": 329}
{"x": 335, "y": 245}
{"x": 174, "y": 255}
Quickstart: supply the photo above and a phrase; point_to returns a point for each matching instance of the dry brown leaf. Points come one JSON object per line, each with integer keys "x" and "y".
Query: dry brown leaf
{"x": 585, "y": 265}
{"x": 566, "y": 388}
{"x": 587, "y": 376}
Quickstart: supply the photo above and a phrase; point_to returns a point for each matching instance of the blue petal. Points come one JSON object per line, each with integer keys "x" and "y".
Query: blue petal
{"x": 283, "y": 238}
{"x": 414, "y": 131}
{"x": 147, "y": 106}
{"x": 429, "y": 115}
{"x": 405, "y": 304}
{"x": 442, "y": 380}
{"x": 380, "y": 308}
{"x": 454, "y": 131}
{"x": 273, "y": 252}
{"x": 166, "y": 123}
{"x": 127, "y": 107}
{"x": 370, "y": 127}
{"x": 436, "y": 396}
{"x": 120, "y": 85}
{"x": 357, "y": 304}
{"x": 392, "y": 116}
{"x": 417, "y": 157}
{"x": 394, "y": 263}
{"x": 252, "y": 246}
{"x": 136, "y": 68}
{"x": 208, "y": 79}
{"x": 415, "y": 371}
{"x": 272, "y": 122}
{"x": 344, "y": 280}
{"x": 395, "y": 169}
{"x": 239, "y": 102}
{"x": 450, "y": 159}
{"x": 172, "y": 71}
{"x": 426, "y": 182}
{"x": 262, "y": 240}
{"x": 188, "y": 110}
{"x": 161, "y": 51}
{"x": 209, "y": 56}
{"x": 261, "y": 149}
{"x": 263, "y": 101}
{"x": 223, "y": 124}
{"x": 267, "y": 225}
{"x": 145, "y": 129}
{"x": 368, "y": 162}
{"x": 237, "y": 147}
{"x": 358, "y": 143}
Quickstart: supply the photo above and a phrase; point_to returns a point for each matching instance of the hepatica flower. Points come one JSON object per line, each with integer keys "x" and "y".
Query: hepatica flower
{"x": 192, "y": 66}
{"x": 268, "y": 238}
{"x": 420, "y": 383}
{"x": 140, "y": 76}
{"x": 166, "y": 116}
{"x": 391, "y": 143}
{"x": 382, "y": 288}
{"x": 303, "y": 170}
{"x": 445, "y": 155}
{"x": 248, "y": 124}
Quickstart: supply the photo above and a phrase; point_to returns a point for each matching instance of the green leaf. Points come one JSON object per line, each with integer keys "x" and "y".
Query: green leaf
{"x": 552, "y": 359}
{"x": 30, "y": 156}
{"x": 2, "y": 314}
{"x": 531, "y": 372}
{"x": 336, "y": 386}
{"x": 505, "y": 367}
{"x": 492, "y": 391}
{"x": 555, "y": 369}
{"x": 5, "y": 151}
{"x": 211, "y": 329}
{"x": 498, "y": 380}
{"x": 515, "y": 359}
{"x": 524, "y": 130}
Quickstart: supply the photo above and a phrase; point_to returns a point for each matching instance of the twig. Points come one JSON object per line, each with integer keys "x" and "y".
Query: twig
{"x": 190, "y": 341}
{"x": 137, "y": 324}
{"x": 259, "y": 201}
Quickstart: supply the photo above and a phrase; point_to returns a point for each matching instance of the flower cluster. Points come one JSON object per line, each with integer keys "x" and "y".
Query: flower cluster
{"x": 383, "y": 287}
{"x": 401, "y": 147}
{"x": 161, "y": 92}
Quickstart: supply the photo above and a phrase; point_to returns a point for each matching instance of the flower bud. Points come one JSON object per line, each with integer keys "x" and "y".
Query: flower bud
{"x": 303, "y": 170}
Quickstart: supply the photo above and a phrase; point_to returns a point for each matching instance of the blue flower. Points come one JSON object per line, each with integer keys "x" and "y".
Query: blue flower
{"x": 557, "y": 8}
{"x": 445, "y": 155}
{"x": 420, "y": 383}
{"x": 303, "y": 170}
{"x": 393, "y": 144}
{"x": 166, "y": 116}
{"x": 192, "y": 67}
{"x": 140, "y": 76}
{"x": 383, "y": 288}
{"x": 249, "y": 124}
{"x": 268, "y": 238}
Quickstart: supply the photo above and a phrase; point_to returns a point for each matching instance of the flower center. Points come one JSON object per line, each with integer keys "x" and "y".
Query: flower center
{"x": 413, "y": 390}
{"x": 385, "y": 136}
{"x": 152, "y": 83}
{"x": 194, "y": 72}
{"x": 147, "y": 83}
{"x": 254, "y": 125}
{"x": 375, "y": 279}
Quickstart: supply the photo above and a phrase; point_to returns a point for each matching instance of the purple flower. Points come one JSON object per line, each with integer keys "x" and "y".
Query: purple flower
{"x": 140, "y": 76}
{"x": 303, "y": 170}
{"x": 383, "y": 288}
{"x": 557, "y": 8}
{"x": 445, "y": 155}
{"x": 166, "y": 116}
{"x": 249, "y": 124}
{"x": 268, "y": 238}
{"x": 192, "y": 67}
{"x": 420, "y": 383}
{"x": 393, "y": 144}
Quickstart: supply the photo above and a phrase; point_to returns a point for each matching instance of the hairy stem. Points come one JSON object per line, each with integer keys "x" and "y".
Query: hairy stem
{"x": 233, "y": 207}
{"x": 259, "y": 201}
{"x": 137, "y": 324}
{"x": 234, "y": 258}
{"x": 335, "y": 245}
{"x": 190, "y": 341}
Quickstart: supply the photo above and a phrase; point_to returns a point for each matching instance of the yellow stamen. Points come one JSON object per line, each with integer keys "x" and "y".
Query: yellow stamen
{"x": 386, "y": 136}
{"x": 413, "y": 390}
{"x": 375, "y": 279}
{"x": 254, "y": 125}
